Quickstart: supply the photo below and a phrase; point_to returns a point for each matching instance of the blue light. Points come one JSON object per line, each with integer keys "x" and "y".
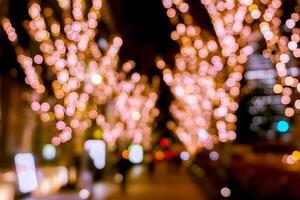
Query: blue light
{"x": 282, "y": 126}
{"x": 102, "y": 43}
{"x": 203, "y": 134}
{"x": 214, "y": 155}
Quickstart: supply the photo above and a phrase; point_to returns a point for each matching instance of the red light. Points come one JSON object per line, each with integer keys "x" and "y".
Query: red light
{"x": 164, "y": 142}
{"x": 168, "y": 155}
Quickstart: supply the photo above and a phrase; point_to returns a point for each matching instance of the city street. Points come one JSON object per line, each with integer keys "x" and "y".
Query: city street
{"x": 149, "y": 100}
{"x": 167, "y": 183}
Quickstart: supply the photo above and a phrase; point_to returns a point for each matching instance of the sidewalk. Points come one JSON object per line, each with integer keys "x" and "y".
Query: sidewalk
{"x": 165, "y": 184}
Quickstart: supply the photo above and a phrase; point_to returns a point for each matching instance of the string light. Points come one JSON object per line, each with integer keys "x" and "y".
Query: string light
{"x": 85, "y": 79}
{"x": 208, "y": 69}
{"x": 286, "y": 51}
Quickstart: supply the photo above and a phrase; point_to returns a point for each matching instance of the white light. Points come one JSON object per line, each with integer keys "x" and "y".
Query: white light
{"x": 25, "y": 167}
{"x": 84, "y": 194}
{"x": 49, "y": 152}
{"x": 96, "y": 150}
{"x": 137, "y": 171}
{"x": 225, "y": 192}
{"x": 96, "y": 79}
{"x": 136, "y": 116}
{"x": 184, "y": 155}
{"x": 214, "y": 155}
{"x": 136, "y": 153}
{"x": 247, "y": 2}
{"x": 203, "y": 134}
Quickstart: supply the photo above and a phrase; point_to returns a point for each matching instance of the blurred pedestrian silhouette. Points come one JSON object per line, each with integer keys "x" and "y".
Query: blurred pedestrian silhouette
{"x": 124, "y": 166}
{"x": 151, "y": 167}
